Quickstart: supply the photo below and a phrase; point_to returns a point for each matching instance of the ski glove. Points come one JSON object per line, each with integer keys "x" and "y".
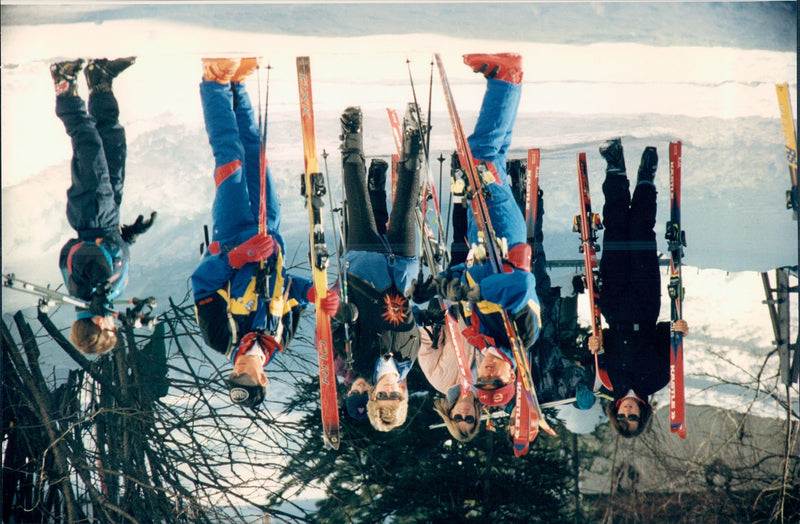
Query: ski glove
{"x": 422, "y": 292}
{"x": 329, "y": 304}
{"x": 455, "y": 291}
{"x": 258, "y": 248}
{"x": 99, "y": 302}
{"x": 131, "y": 232}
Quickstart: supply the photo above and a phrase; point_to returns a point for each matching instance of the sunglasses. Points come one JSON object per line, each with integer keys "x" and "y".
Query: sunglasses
{"x": 489, "y": 383}
{"x": 382, "y": 395}
{"x": 630, "y": 418}
{"x": 469, "y": 419}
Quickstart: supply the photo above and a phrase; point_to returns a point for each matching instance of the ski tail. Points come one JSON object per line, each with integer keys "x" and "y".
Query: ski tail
{"x": 790, "y": 143}
{"x": 313, "y": 188}
{"x": 587, "y": 224}
{"x": 676, "y": 241}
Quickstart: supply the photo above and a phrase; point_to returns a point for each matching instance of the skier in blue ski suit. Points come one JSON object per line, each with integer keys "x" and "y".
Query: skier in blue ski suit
{"x": 234, "y": 317}
{"x": 514, "y": 290}
{"x": 95, "y": 265}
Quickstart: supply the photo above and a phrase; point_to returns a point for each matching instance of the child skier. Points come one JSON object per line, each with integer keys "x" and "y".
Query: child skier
{"x": 95, "y": 265}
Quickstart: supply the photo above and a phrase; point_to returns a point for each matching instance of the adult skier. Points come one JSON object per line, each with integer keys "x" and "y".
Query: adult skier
{"x": 381, "y": 267}
{"x": 248, "y": 307}
{"x": 95, "y": 265}
{"x": 636, "y": 346}
{"x": 514, "y": 290}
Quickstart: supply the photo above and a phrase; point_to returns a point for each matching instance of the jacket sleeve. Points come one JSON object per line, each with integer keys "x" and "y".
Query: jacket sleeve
{"x": 512, "y": 291}
{"x": 214, "y": 322}
{"x": 211, "y": 275}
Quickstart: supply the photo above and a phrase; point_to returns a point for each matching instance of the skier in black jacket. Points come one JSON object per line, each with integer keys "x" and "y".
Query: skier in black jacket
{"x": 95, "y": 265}
{"x": 636, "y": 345}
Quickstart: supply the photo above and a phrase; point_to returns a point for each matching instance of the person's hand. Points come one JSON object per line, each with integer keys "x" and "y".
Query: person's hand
{"x": 258, "y": 248}
{"x": 423, "y": 291}
{"x": 329, "y": 304}
{"x": 681, "y": 327}
{"x": 456, "y": 291}
{"x": 131, "y": 232}
{"x": 594, "y": 344}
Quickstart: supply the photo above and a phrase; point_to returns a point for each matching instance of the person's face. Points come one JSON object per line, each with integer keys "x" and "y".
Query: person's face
{"x": 388, "y": 389}
{"x": 493, "y": 367}
{"x": 250, "y": 366}
{"x": 464, "y": 409}
{"x": 360, "y": 385}
{"x": 105, "y": 323}
{"x": 629, "y": 408}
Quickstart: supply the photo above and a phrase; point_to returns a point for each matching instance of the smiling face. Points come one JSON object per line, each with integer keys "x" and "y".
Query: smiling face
{"x": 493, "y": 367}
{"x": 359, "y": 385}
{"x": 388, "y": 390}
{"x": 250, "y": 369}
{"x": 464, "y": 408}
{"x": 629, "y": 408}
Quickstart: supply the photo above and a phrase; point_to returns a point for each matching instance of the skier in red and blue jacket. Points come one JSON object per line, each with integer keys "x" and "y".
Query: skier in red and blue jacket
{"x": 514, "y": 290}
{"x": 239, "y": 317}
{"x": 95, "y": 265}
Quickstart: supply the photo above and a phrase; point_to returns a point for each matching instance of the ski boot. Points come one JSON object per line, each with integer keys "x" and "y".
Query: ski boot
{"x": 65, "y": 76}
{"x": 648, "y": 166}
{"x": 100, "y": 72}
{"x": 615, "y": 160}
{"x": 246, "y": 68}
{"x": 351, "y": 132}
{"x": 458, "y": 180}
{"x": 220, "y": 70}
{"x": 411, "y": 155}
{"x": 500, "y": 66}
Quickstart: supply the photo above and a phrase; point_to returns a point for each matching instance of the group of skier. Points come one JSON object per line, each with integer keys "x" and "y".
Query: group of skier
{"x": 248, "y": 305}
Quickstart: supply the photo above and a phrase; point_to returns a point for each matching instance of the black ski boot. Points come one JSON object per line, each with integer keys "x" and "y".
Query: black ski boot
{"x": 412, "y": 140}
{"x": 351, "y": 132}
{"x": 65, "y": 76}
{"x": 615, "y": 161}
{"x": 100, "y": 72}
{"x": 648, "y": 166}
{"x": 376, "y": 177}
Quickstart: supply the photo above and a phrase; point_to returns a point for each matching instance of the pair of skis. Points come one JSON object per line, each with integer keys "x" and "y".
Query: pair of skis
{"x": 529, "y": 417}
{"x": 313, "y": 188}
{"x": 588, "y": 223}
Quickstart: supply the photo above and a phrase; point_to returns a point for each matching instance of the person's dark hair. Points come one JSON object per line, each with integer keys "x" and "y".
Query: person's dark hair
{"x": 443, "y": 408}
{"x": 621, "y": 426}
{"x": 90, "y": 339}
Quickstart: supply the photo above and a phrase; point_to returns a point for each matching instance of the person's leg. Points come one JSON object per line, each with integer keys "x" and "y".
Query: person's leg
{"x": 251, "y": 142}
{"x": 231, "y": 208}
{"x": 645, "y": 280}
{"x": 91, "y": 208}
{"x": 491, "y": 138}
{"x": 401, "y": 233}
{"x": 547, "y": 295}
{"x": 100, "y": 74}
{"x": 362, "y": 234}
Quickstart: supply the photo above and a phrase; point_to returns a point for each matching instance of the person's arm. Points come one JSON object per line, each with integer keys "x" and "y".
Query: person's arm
{"x": 512, "y": 291}
{"x": 214, "y": 322}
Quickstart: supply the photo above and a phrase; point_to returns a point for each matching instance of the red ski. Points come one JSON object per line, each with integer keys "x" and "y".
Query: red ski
{"x": 587, "y": 224}
{"x": 313, "y": 188}
{"x": 676, "y": 240}
{"x": 494, "y": 251}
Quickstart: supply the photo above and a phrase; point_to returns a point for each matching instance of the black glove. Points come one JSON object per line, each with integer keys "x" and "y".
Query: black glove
{"x": 455, "y": 291}
{"x": 99, "y": 302}
{"x": 433, "y": 316}
{"x": 423, "y": 291}
{"x": 131, "y": 232}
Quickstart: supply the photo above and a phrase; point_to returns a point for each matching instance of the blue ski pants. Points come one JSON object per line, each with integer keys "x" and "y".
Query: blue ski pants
{"x": 489, "y": 142}
{"x": 235, "y": 141}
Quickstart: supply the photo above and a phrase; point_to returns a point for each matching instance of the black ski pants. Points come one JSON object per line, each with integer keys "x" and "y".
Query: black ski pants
{"x": 99, "y": 150}
{"x": 629, "y": 272}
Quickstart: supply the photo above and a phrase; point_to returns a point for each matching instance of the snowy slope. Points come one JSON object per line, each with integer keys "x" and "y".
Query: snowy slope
{"x": 719, "y": 100}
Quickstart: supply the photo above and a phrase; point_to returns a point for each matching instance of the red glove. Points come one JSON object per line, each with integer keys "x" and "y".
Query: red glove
{"x": 258, "y": 248}
{"x": 330, "y": 304}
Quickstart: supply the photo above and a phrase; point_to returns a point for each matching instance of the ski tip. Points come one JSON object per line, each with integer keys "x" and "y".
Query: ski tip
{"x": 680, "y": 430}
{"x": 520, "y": 449}
{"x": 331, "y": 440}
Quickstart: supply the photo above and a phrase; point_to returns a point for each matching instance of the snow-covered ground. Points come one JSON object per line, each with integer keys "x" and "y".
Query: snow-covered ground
{"x": 714, "y": 92}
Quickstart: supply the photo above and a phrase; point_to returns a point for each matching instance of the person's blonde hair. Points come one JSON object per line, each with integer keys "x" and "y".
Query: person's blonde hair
{"x": 388, "y": 416}
{"x": 90, "y": 339}
{"x": 443, "y": 408}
